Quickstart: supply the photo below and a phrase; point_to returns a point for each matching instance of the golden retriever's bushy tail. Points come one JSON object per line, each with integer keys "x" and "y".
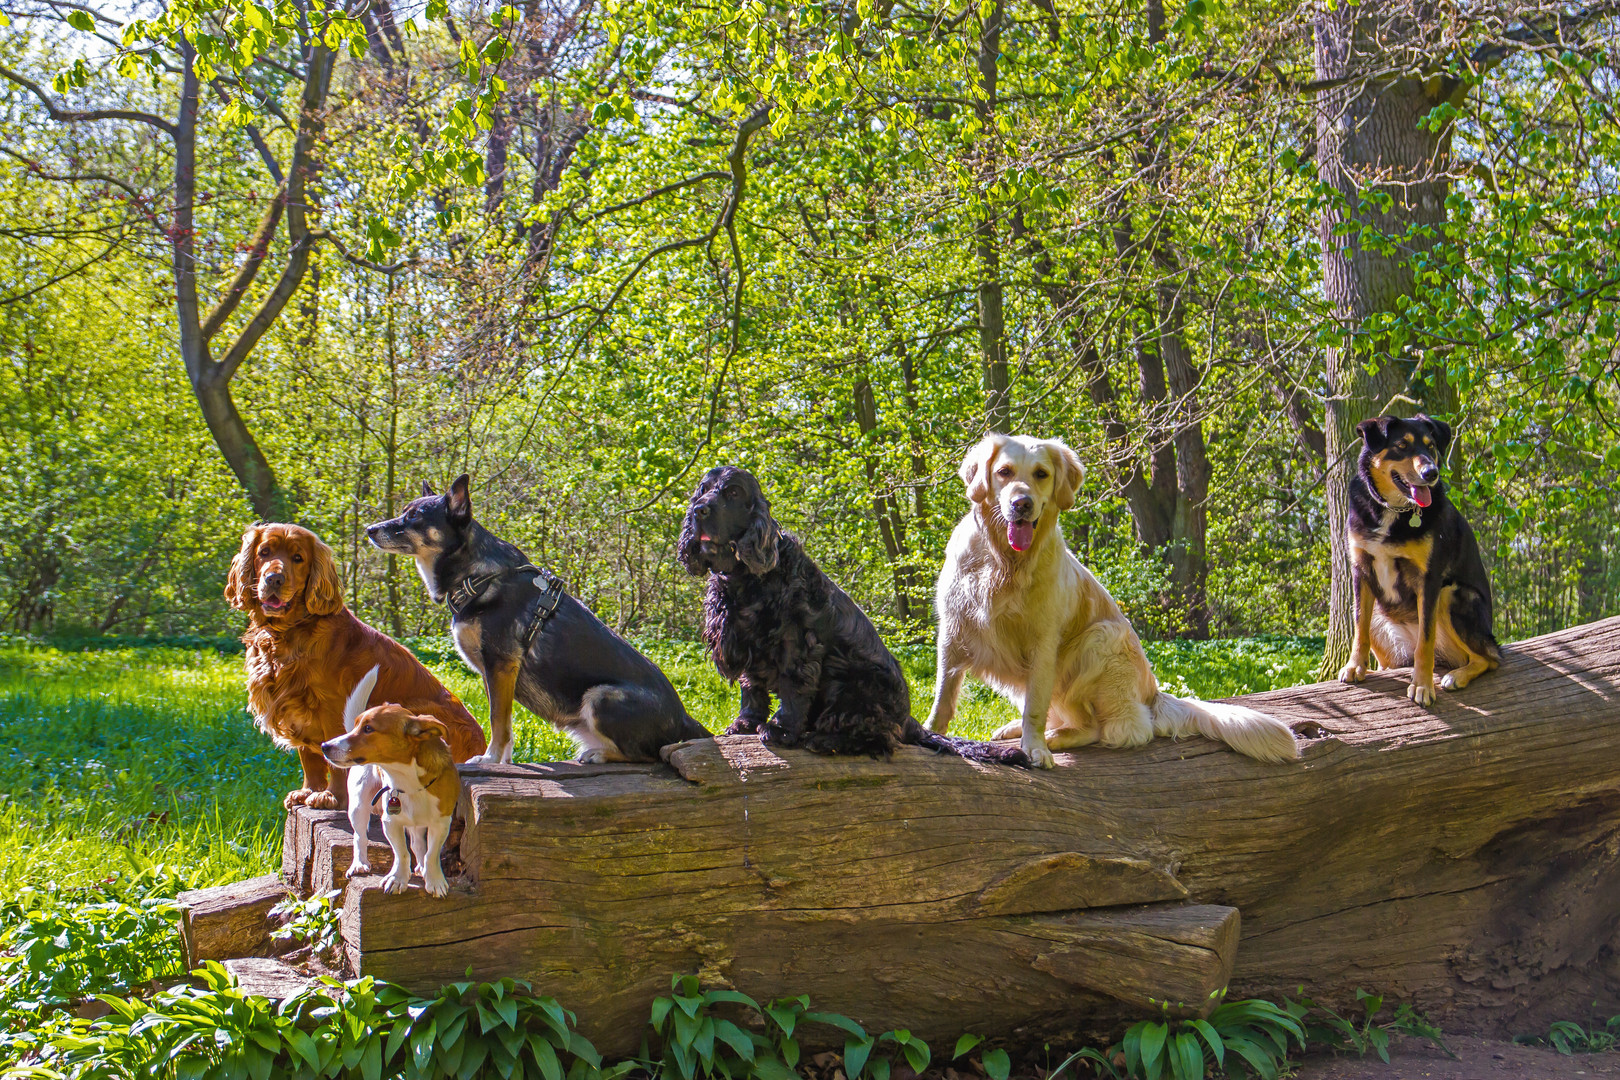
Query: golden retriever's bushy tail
{"x": 1262, "y": 737}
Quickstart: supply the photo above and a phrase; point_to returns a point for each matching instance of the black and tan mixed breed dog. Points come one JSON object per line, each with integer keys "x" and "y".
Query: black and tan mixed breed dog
{"x": 517, "y": 627}
{"x": 1420, "y": 585}
{"x": 778, "y": 625}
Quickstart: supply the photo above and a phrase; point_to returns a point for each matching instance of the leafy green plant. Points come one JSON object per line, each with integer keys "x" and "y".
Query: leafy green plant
{"x": 63, "y": 946}
{"x": 361, "y": 1028}
{"x": 1340, "y": 1033}
{"x": 1569, "y": 1038}
{"x": 1253, "y": 1035}
{"x": 313, "y": 922}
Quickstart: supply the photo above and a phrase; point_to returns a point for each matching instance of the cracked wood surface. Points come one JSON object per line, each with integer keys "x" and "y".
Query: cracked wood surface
{"x": 1465, "y": 858}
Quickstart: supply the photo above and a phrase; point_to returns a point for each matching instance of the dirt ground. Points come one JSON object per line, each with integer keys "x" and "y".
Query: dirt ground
{"x": 1477, "y": 1059}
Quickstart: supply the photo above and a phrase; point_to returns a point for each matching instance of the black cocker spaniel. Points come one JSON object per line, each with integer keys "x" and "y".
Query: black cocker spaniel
{"x": 777, "y": 625}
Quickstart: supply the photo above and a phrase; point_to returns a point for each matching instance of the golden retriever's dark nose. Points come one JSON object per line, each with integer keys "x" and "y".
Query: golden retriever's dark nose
{"x": 1022, "y": 505}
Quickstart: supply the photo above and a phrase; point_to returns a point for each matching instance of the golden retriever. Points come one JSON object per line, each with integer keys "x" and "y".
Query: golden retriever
{"x": 1017, "y": 609}
{"x": 306, "y": 650}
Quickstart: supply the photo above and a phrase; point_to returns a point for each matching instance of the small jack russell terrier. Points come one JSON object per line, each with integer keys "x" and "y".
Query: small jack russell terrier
{"x": 405, "y": 758}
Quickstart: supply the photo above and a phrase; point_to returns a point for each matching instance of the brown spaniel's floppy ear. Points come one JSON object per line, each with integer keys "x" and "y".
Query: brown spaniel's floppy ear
{"x": 975, "y": 470}
{"x": 756, "y": 548}
{"x": 323, "y": 593}
{"x": 1069, "y": 474}
{"x": 242, "y": 581}
{"x": 1375, "y": 432}
{"x": 425, "y": 727}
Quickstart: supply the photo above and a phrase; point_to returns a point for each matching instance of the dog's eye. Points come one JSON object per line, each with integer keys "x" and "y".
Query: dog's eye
{"x": 1041, "y": 474}
{"x": 298, "y": 558}
{"x": 365, "y": 727}
{"x": 1005, "y": 471}
{"x": 732, "y": 492}
{"x": 264, "y": 553}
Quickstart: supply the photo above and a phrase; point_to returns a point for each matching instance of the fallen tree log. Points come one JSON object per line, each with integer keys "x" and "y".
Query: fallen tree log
{"x": 1464, "y": 858}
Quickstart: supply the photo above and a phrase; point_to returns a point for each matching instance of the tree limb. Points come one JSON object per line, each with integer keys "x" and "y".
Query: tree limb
{"x": 84, "y": 115}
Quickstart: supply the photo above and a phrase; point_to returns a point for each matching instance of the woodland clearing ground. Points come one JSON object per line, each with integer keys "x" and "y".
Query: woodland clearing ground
{"x": 114, "y": 758}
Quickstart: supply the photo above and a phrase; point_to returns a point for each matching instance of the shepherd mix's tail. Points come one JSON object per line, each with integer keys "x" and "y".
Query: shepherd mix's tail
{"x": 993, "y": 753}
{"x": 1262, "y": 737}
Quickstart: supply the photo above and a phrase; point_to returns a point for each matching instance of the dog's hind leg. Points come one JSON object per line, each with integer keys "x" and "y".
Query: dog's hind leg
{"x": 619, "y": 722}
{"x": 364, "y": 783}
{"x": 1461, "y": 613}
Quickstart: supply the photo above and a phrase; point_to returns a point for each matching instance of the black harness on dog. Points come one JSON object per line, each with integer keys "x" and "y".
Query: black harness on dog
{"x": 464, "y": 597}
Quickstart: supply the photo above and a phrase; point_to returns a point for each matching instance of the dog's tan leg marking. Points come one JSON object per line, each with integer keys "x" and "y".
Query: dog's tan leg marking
{"x": 314, "y": 766}
{"x": 1477, "y": 664}
{"x": 1014, "y": 730}
{"x": 1422, "y": 688}
{"x": 500, "y": 684}
{"x": 1356, "y": 669}
{"x": 1068, "y": 738}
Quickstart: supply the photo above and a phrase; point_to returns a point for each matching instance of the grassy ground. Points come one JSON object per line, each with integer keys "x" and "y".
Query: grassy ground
{"x": 119, "y": 757}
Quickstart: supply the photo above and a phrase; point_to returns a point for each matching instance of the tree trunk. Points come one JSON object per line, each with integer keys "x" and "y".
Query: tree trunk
{"x": 1463, "y": 858}
{"x": 891, "y": 527}
{"x": 1370, "y": 146}
{"x": 991, "y": 292}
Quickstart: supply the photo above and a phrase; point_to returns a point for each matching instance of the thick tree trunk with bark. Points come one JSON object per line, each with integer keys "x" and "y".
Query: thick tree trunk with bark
{"x": 1463, "y": 858}
{"x": 1371, "y": 147}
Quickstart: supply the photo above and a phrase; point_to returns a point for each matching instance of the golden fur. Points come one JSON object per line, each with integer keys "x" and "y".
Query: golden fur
{"x": 1037, "y": 626}
{"x": 305, "y": 650}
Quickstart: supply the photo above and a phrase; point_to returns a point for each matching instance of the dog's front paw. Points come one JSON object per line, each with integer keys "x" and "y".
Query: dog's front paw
{"x": 483, "y": 759}
{"x": 593, "y": 757}
{"x": 1352, "y": 672}
{"x": 435, "y": 884}
{"x": 296, "y": 798}
{"x": 743, "y": 725}
{"x": 774, "y": 734}
{"x": 1039, "y": 756}
{"x": 396, "y": 882}
{"x": 1452, "y": 681}
{"x": 1422, "y": 693}
{"x": 321, "y": 800}
{"x": 359, "y": 869}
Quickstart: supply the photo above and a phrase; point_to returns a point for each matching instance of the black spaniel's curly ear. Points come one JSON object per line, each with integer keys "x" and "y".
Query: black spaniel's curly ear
{"x": 1442, "y": 433}
{"x": 756, "y": 548}
{"x": 1375, "y": 432}
{"x": 687, "y": 549}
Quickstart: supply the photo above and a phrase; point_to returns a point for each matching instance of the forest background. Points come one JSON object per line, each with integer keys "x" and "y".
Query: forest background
{"x": 288, "y": 260}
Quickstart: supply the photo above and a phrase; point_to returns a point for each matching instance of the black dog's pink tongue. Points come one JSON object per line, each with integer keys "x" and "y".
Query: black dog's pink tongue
{"x": 1020, "y": 534}
{"x": 1422, "y": 496}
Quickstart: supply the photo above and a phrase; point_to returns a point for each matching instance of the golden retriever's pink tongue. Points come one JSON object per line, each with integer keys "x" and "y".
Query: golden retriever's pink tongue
{"x": 1020, "y": 534}
{"x": 1422, "y": 496}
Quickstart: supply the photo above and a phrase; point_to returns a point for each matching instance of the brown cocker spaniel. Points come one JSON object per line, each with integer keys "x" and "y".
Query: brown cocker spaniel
{"x": 306, "y": 652}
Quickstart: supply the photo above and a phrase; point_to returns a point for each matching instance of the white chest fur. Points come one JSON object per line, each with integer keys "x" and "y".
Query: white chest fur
{"x": 407, "y": 799}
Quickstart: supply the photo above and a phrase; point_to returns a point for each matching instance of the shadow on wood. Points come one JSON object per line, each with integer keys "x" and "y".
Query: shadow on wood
{"x": 1463, "y": 858}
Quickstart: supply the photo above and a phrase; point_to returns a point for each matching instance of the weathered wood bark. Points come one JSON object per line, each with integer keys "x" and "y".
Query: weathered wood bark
{"x": 229, "y": 920}
{"x": 1464, "y": 858}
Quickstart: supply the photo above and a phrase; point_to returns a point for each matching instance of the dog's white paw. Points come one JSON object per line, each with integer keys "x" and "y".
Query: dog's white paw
{"x": 1352, "y": 672}
{"x": 1422, "y": 693}
{"x": 435, "y": 884}
{"x": 483, "y": 759}
{"x": 593, "y": 757}
{"x": 1039, "y": 756}
{"x": 396, "y": 882}
{"x": 359, "y": 869}
{"x": 1451, "y": 682}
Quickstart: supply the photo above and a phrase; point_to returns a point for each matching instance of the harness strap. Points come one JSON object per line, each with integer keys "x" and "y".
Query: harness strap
{"x": 464, "y": 596}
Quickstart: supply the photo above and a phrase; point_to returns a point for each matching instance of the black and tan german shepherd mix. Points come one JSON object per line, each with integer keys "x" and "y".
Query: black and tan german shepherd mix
{"x": 515, "y": 625}
{"x": 1420, "y": 585}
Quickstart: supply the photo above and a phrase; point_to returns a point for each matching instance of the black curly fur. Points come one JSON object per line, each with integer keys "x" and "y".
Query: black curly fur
{"x": 777, "y": 625}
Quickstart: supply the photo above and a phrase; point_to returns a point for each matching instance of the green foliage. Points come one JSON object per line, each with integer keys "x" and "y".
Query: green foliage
{"x": 1568, "y": 1037}
{"x": 313, "y": 921}
{"x": 61, "y": 946}
{"x": 1369, "y": 1033}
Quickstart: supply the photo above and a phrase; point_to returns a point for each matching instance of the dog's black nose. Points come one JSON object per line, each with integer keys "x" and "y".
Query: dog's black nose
{"x": 371, "y": 531}
{"x": 1428, "y": 472}
{"x": 703, "y": 510}
{"x": 1023, "y": 505}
